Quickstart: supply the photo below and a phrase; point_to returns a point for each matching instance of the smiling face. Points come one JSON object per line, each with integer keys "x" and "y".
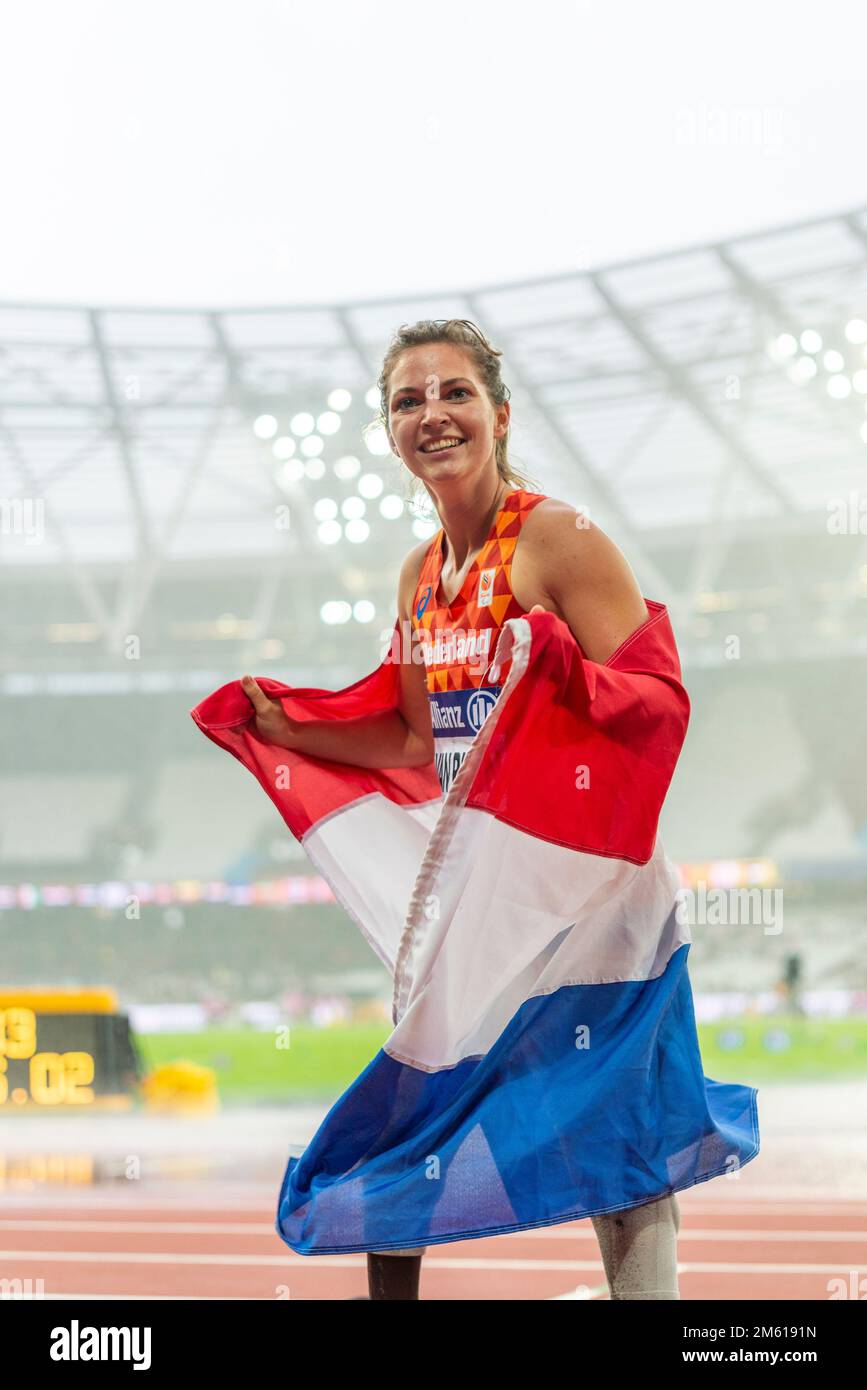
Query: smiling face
{"x": 436, "y": 394}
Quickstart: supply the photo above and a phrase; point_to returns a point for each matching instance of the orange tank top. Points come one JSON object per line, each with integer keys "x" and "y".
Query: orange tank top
{"x": 459, "y": 639}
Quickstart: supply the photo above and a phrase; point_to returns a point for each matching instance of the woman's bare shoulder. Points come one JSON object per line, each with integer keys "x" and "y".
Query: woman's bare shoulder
{"x": 585, "y": 574}
{"x": 545, "y": 512}
{"x": 554, "y": 524}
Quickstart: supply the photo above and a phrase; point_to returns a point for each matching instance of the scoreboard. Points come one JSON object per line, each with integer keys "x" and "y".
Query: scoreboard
{"x": 66, "y": 1049}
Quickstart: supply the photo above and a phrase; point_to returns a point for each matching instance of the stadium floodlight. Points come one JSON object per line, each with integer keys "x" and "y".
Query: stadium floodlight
{"x": 811, "y": 341}
{"x": 325, "y": 509}
{"x": 803, "y": 370}
{"x": 284, "y": 447}
{"x": 330, "y": 532}
{"x": 371, "y": 398}
{"x": 347, "y": 467}
{"x": 391, "y": 506}
{"x": 265, "y": 426}
{"x": 370, "y": 485}
{"x": 856, "y": 331}
{"x": 338, "y": 399}
{"x": 302, "y": 423}
{"x": 329, "y": 422}
{"x": 356, "y": 531}
{"x": 376, "y": 440}
{"x": 423, "y": 529}
{"x": 292, "y": 471}
{"x": 839, "y": 387}
{"x": 833, "y": 361}
{"x": 784, "y": 346}
{"x": 352, "y": 507}
{"x": 336, "y": 610}
{"x": 314, "y": 469}
{"x": 363, "y": 611}
{"x": 312, "y": 445}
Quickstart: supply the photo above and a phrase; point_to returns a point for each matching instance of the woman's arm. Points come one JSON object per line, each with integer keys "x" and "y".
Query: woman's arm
{"x": 401, "y": 737}
{"x": 588, "y": 578}
{"x": 376, "y": 740}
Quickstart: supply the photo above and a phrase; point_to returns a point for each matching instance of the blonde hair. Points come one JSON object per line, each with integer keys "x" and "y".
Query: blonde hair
{"x": 464, "y": 334}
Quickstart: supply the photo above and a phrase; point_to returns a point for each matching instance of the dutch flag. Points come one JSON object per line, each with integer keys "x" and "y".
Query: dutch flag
{"x": 544, "y": 1064}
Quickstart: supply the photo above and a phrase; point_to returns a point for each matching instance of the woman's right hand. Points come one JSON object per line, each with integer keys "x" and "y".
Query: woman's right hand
{"x": 272, "y": 725}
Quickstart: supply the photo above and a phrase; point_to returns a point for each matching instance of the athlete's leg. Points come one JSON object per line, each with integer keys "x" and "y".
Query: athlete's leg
{"x": 639, "y": 1250}
{"x": 394, "y": 1274}
{"x": 421, "y": 1250}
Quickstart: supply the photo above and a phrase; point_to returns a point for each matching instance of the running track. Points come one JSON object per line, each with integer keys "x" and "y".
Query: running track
{"x": 98, "y": 1244}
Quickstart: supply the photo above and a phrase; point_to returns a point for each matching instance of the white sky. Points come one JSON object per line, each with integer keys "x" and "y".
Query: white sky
{"x": 266, "y": 152}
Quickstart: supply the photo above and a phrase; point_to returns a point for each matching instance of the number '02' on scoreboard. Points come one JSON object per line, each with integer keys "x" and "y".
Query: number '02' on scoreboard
{"x": 49, "y": 1077}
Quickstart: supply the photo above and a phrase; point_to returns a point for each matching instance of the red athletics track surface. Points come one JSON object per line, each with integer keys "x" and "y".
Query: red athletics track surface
{"x": 104, "y": 1243}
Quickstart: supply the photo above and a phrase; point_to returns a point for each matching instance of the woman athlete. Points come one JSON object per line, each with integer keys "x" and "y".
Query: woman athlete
{"x": 446, "y": 412}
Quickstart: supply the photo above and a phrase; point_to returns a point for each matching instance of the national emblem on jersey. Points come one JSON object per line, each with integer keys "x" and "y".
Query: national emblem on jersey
{"x": 486, "y": 588}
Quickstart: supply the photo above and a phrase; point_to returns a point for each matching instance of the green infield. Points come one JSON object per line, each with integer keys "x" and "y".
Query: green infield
{"x": 253, "y": 1066}
{"x": 784, "y": 1047}
{"x": 319, "y": 1063}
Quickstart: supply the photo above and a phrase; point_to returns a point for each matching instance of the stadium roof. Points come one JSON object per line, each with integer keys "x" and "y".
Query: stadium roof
{"x": 707, "y": 407}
